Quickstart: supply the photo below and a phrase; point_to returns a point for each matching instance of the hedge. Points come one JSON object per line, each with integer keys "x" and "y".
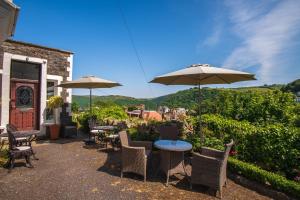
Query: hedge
{"x": 272, "y": 147}
{"x": 255, "y": 173}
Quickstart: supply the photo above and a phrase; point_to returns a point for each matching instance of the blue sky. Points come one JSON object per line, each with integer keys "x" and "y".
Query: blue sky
{"x": 261, "y": 37}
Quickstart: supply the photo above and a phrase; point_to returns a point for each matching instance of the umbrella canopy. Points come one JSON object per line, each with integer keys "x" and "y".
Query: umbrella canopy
{"x": 89, "y": 82}
{"x": 203, "y": 74}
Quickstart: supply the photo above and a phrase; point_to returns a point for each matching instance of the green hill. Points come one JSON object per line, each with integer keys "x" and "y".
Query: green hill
{"x": 185, "y": 98}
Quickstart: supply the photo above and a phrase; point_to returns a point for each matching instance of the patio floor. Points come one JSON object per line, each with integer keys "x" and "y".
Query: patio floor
{"x": 68, "y": 170}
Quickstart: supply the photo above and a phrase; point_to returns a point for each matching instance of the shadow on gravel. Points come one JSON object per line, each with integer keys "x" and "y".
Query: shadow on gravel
{"x": 112, "y": 164}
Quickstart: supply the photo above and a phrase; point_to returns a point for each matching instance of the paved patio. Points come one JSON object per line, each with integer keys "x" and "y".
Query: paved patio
{"x": 68, "y": 170}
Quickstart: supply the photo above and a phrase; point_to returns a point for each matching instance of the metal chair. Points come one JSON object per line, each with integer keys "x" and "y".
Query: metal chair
{"x": 16, "y": 152}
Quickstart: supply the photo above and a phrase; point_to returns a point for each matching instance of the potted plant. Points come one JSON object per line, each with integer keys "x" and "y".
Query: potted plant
{"x": 53, "y": 104}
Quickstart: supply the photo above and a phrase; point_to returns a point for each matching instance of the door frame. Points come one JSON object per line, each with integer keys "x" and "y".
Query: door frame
{"x": 37, "y": 98}
{"x": 5, "y": 111}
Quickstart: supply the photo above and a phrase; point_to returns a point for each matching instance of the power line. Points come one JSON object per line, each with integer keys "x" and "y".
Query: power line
{"x": 134, "y": 46}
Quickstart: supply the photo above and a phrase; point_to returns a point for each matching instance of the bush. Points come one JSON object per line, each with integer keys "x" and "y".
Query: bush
{"x": 273, "y": 147}
{"x": 255, "y": 173}
{"x": 103, "y": 114}
{"x": 255, "y": 106}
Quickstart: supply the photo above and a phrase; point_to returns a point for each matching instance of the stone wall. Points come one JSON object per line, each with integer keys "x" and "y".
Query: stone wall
{"x": 57, "y": 60}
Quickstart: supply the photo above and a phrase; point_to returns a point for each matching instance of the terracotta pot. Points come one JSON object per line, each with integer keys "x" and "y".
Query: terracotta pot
{"x": 54, "y": 131}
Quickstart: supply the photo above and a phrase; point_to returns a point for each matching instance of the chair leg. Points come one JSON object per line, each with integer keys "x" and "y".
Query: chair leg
{"x": 28, "y": 162}
{"x": 168, "y": 174}
{"x": 220, "y": 192}
{"x": 191, "y": 185}
{"x": 12, "y": 163}
{"x": 121, "y": 174}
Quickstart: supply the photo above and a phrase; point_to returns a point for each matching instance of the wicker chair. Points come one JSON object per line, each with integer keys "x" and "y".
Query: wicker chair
{"x": 209, "y": 168}
{"x": 16, "y": 152}
{"x": 135, "y": 155}
{"x": 170, "y": 132}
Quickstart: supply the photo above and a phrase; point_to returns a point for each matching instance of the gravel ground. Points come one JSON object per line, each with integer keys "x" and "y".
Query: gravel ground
{"x": 67, "y": 169}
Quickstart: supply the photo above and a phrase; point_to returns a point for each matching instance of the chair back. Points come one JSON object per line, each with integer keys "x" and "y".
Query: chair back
{"x": 11, "y": 127}
{"x": 170, "y": 132}
{"x": 92, "y": 123}
{"x": 11, "y": 140}
{"x": 122, "y": 126}
{"x": 124, "y": 138}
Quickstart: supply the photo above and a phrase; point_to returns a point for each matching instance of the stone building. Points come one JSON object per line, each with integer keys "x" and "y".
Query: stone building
{"x": 28, "y": 75}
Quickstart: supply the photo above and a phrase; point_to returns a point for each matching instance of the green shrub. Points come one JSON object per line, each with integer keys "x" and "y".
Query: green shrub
{"x": 3, "y": 155}
{"x": 212, "y": 142}
{"x": 255, "y": 106}
{"x": 273, "y": 147}
{"x": 102, "y": 114}
{"x": 255, "y": 173}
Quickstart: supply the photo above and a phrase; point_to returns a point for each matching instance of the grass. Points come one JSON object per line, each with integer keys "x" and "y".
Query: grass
{"x": 3, "y": 155}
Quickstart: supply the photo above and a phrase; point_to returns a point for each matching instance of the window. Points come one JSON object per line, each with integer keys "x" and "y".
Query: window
{"x": 25, "y": 70}
{"x": 24, "y": 97}
{"x": 50, "y": 93}
{"x": 50, "y": 89}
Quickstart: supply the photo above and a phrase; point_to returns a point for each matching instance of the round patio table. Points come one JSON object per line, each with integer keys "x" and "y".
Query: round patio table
{"x": 172, "y": 156}
{"x": 104, "y": 128}
{"x": 109, "y": 137}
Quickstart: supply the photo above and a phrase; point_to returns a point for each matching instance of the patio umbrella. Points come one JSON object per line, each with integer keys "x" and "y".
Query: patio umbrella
{"x": 202, "y": 74}
{"x": 89, "y": 82}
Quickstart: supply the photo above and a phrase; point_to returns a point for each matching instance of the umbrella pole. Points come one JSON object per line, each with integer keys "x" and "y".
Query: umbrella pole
{"x": 90, "y": 102}
{"x": 200, "y": 125}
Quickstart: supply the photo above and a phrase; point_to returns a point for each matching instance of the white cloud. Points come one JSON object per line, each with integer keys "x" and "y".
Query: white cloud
{"x": 214, "y": 38}
{"x": 268, "y": 31}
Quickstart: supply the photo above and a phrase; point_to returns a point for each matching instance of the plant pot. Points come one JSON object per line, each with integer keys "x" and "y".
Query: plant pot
{"x": 54, "y": 131}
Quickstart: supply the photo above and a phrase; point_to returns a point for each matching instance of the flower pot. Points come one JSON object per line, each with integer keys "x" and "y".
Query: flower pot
{"x": 54, "y": 131}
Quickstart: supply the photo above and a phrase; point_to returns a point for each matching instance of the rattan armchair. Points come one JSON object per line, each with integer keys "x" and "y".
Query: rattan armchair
{"x": 209, "y": 168}
{"x": 135, "y": 155}
{"x": 170, "y": 132}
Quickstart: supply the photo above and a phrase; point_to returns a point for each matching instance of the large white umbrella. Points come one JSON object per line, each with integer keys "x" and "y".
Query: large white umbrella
{"x": 89, "y": 82}
{"x": 202, "y": 74}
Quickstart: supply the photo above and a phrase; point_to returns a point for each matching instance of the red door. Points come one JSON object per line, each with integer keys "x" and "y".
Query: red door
{"x": 24, "y": 105}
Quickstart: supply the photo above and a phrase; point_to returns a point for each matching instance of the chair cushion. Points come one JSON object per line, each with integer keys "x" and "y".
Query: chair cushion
{"x": 70, "y": 127}
{"x": 21, "y": 138}
{"x": 23, "y": 148}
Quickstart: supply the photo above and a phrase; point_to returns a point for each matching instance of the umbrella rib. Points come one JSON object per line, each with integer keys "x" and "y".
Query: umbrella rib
{"x": 222, "y": 79}
{"x": 204, "y": 78}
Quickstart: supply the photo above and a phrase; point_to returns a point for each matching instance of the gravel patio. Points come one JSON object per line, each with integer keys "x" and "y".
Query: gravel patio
{"x": 67, "y": 169}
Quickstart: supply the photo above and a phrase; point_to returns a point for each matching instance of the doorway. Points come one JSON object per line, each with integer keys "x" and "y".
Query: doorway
{"x": 24, "y": 95}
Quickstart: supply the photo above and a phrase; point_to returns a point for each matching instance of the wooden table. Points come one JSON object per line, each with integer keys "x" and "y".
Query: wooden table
{"x": 172, "y": 156}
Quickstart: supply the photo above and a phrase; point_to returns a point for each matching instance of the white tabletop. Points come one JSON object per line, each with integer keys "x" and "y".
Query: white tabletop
{"x": 173, "y": 145}
{"x": 104, "y": 127}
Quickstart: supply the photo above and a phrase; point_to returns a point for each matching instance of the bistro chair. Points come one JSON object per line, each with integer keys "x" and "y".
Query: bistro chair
{"x": 135, "y": 155}
{"x": 20, "y": 140}
{"x": 168, "y": 132}
{"x": 16, "y": 152}
{"x": 210, "y": 168}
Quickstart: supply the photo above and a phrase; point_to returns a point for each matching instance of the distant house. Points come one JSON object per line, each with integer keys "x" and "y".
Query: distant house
{"x": 145, "y": 114}
{"x": 28, "y": 75}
